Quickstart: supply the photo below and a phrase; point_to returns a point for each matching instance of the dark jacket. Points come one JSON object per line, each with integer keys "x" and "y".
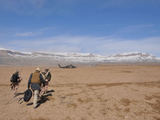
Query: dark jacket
{"x": 48, "y": 77}
{"x": 35, "y": 86}
{"x": 15, "y": 78}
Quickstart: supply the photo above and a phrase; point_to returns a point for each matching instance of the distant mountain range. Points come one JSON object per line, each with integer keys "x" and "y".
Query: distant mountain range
{"x": 10, "y": 57}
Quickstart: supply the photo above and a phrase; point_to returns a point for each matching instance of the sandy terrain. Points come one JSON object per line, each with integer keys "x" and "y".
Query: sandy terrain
{"x": 106, "y": 92}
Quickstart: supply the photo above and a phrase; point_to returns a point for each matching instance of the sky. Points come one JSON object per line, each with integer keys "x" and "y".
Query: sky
{"x": 102, "y": 27}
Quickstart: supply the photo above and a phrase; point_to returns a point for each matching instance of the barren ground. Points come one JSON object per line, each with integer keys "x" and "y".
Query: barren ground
{"x": 105, "y": 92}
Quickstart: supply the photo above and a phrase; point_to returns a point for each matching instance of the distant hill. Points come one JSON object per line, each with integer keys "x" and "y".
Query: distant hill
{"x": 10, "y": 57}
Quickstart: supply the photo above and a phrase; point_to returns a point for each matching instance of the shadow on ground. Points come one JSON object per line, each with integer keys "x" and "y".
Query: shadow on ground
{"x": 18, "y": 94}
{"x": 43, "y": 98}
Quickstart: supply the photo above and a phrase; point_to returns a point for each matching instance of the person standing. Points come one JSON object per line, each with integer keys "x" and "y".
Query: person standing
{"x": 47, "y": 76}
{"x": 15, "y": 80}
{"x": 35, "y": 82}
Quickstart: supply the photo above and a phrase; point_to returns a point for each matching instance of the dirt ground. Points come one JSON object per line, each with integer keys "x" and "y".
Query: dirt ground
{"x": 104, "y": 92}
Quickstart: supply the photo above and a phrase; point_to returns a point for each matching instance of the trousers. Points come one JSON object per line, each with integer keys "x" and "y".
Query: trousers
{"x": 35, "y": 98}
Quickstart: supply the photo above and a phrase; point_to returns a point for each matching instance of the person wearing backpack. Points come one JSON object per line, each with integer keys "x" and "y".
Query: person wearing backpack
{"x": 47, "y": 76}
{"x": 35, "y": 82}
{"x": 15, "y": 80}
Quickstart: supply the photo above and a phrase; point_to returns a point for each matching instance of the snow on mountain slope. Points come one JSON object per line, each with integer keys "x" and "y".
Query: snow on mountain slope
{"x": 80, "y": 57}
{"x": 132, "y": 57}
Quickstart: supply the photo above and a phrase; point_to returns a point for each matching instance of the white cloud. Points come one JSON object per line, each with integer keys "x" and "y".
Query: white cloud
{"x": 133, "y": 28}
{"x": 37, "y": 7}
{"x": 18, "y": 3}
{"x": 35, "y": 32}
{"x": 149, "y": 45}
{"x": 37, "y": 3}
{"x": 25, "y": 34}
{"x": 100, "y": 45}
{"x": 27, "y": 7}
{"x": 127, "y": 3}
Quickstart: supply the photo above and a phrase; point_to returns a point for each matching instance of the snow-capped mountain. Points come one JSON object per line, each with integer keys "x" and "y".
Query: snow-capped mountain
{"x": 133, "y": 57}
{"x": 50, "y": 58}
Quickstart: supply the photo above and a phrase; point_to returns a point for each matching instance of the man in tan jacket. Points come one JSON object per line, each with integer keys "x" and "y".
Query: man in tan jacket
{"x": 35, "y": 81}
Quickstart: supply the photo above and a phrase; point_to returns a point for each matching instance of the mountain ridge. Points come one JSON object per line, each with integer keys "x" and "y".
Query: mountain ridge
{"x": 52, "y": 58}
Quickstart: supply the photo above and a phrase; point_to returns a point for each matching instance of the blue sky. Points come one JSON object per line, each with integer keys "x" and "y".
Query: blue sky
{"x": 90, "y": 26}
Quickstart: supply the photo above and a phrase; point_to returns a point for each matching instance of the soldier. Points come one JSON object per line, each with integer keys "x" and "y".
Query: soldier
{"x": 15, "y": 80}
{"x": 47, "y": 77}
{"x": 35, "y": 81}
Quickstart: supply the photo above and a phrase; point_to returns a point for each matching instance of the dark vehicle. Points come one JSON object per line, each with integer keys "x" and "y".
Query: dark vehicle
{"x": 67, "y": 66}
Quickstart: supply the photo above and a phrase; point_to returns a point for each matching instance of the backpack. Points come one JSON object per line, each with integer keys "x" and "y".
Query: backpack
{"x": 27, "y": 95}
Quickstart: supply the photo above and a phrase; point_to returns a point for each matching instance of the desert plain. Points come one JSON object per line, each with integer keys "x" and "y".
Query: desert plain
{"x": 100, "y": 92}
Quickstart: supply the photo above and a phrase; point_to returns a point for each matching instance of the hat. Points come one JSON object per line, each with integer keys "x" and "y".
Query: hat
{"x": 38, "y": 69}
{"x": 47, "y": 69}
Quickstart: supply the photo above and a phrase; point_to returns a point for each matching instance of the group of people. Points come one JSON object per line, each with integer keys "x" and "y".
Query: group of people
{"x": 38, "y": 82}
